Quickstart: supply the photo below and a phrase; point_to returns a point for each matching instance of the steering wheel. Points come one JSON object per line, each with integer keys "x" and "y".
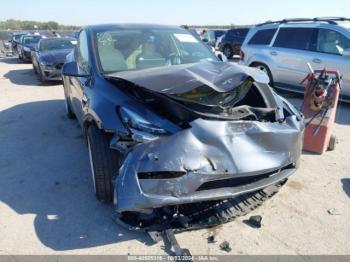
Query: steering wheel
{"x": 174, "y": 59}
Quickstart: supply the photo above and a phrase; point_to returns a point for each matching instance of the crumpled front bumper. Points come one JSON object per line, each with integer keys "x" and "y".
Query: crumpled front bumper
{"x": 215, "y": 160}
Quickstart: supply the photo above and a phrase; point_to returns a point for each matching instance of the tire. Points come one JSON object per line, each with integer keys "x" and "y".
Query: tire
{"x": 41, "y": 76}
{"x": 332, "y": 143}
{"x": 104, "y": 163}
{"x": 265, "y": 69}
{"x": 34, "y": 69}
{"x": 228, "y": 51}
{"x": 69, "y": 111}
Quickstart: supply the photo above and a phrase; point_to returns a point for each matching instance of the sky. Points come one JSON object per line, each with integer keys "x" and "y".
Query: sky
{"x": 172, "y": 12}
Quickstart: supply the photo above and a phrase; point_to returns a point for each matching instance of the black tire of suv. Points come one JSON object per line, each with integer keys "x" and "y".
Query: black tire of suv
{"x": 266, "y": 69}
{"x": 104, "y": 163}
{"x": 228, "y": 51}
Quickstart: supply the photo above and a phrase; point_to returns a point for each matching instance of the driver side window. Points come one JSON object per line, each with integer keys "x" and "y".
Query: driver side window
{"x": 82, "y": 52}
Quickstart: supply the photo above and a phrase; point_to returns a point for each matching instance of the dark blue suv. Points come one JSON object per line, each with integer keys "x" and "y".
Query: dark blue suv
{"x": 232, "y": 41}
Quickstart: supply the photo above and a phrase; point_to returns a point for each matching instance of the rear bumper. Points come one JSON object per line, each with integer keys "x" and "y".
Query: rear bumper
{"x": 217, "y": 159}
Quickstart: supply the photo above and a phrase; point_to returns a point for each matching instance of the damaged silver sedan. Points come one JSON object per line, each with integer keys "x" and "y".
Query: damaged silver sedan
{"x": 174, "y": 134}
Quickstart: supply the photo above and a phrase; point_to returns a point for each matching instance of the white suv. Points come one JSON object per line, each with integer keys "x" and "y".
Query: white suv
{"x": 282, "y": 49}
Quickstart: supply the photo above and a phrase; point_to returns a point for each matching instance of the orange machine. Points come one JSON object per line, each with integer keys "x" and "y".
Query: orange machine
{"x": 319, "y": 108}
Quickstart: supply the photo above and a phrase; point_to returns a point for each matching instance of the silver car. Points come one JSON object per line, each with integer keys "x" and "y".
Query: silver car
{"x": 282, "y": 49}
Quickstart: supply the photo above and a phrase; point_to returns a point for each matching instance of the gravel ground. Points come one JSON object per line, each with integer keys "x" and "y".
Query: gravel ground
{"x": 47, "y": 204}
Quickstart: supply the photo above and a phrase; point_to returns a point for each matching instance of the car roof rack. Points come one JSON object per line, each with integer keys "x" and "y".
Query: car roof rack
{"x": 330, "y": 20}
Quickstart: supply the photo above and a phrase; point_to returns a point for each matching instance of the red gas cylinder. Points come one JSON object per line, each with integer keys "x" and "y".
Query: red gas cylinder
{"x": 319, "y": 109}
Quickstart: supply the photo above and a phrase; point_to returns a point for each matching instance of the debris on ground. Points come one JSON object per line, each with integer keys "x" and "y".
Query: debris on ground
{"x": 333, "y": 212}
{"x": 254, "y": 221}
{"x": 211, "y": 239}
{"x": 225, "y": 246}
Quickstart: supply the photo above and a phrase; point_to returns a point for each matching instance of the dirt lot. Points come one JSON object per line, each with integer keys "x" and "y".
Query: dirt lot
{"x": 47, "y": 205}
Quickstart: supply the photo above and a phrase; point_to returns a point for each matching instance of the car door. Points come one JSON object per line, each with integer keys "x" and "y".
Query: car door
{"x": 330, "y": 47}
{"x": 292, "y": 50}
{"x": 79, "y": 84}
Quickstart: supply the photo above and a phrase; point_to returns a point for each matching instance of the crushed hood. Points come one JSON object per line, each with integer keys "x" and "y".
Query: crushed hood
{"x": 220, "y": 76}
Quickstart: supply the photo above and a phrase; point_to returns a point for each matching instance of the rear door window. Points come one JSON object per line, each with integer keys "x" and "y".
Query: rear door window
{"x": 296, "y": 38}
{"x": 262, "y": 37}
{"x": 332, "y": 42}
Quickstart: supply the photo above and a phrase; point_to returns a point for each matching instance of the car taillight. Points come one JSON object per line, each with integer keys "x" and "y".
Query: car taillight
{"x": 241, "y": 54}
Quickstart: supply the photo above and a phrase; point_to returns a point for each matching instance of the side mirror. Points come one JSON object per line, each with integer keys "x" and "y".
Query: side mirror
{"x": 346, "y": 53}
{"x": 205, "y": 40}
{"x": 71, "y": 69}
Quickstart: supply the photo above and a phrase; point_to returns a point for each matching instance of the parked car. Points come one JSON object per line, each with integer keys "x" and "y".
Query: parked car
{"x": 282, "y": 49}
{"x": 49, "y": 56}
{"x": 26, "y": 46}
{"x": 168, "y": 125}
{"x": 74, "y": 34}
{"x": 231, "y": 43}
{"x": 211, "y": 36}
{"x": 15, "y": 39}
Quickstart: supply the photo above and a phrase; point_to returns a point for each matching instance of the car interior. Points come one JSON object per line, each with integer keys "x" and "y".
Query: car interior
{"x": 332, "y": 42}
{"x": 134, "y": 49}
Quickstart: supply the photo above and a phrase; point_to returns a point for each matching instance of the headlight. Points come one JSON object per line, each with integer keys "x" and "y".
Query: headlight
{"x": 141, "y": 129}
{"x": 26, "y": 49}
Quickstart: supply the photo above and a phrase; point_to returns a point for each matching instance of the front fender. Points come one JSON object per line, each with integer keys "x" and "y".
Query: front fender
{"x": 259, "y": 58}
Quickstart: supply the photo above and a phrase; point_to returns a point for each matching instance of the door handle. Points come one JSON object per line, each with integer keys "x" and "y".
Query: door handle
{"x": 317, "y": 61}
{"x": 274, "y": 53}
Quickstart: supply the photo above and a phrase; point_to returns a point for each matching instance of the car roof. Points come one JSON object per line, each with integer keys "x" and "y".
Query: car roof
{"x": 307, "y": 22}
{"x": 103, "y": 27}
{"x": 344, "y": 26}
{"x": 31, "y": 35}
{"x": 20, "y": 33}
{"x": 59, "y": 38}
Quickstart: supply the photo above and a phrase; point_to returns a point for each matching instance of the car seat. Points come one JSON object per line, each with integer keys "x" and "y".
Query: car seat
{"x": 330, "y": 43}
{"x": 111, "y": 58}
{"x": 149, "y": 57}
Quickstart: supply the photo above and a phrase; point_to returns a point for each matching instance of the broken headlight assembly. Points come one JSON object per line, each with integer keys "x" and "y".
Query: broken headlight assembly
{"x": 141, "y": 129}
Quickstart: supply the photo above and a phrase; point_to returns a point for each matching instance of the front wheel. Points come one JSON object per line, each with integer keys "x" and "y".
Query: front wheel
{"x": 34, "y": 69}
{"x": 265, "y": 69}
{"x": 104, "y": 163}
{"x": 41, "y": 76}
